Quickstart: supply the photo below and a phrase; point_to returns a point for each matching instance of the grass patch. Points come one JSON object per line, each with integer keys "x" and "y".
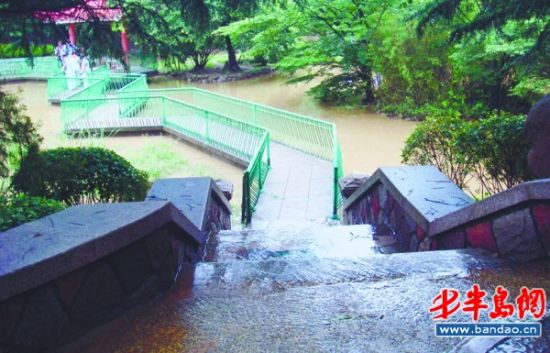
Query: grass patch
{"x": 159, "y": 160}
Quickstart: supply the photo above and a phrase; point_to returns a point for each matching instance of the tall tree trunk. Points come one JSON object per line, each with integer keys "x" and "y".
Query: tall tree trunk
{"x": 232, "y": 64}
{"x": 366, "y": 76}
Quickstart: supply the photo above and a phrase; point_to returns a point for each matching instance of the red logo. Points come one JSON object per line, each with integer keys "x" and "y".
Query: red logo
{"x": 530, "y": 301}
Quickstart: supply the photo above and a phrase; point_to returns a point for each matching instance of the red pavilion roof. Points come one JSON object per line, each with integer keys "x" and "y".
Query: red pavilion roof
{"x": 90, "y": 10}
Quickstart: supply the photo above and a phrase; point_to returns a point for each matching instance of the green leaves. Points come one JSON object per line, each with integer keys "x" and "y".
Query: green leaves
{"x": 19, "y": 208}
{"x": 17, "y": 133}
{"x": 80, "y": 175}
{"x": 491, "y": 151}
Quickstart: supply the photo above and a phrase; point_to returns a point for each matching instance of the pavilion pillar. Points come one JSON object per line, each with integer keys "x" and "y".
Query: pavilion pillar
{"x": 125, "y": 45}
{"x": 72, "y": 33}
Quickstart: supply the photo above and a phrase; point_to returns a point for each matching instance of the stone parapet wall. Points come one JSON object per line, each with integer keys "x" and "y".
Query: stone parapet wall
{"x": 69, "y": 271}
{"x": 515, "y": 223}
{"x": 46, "y": 316}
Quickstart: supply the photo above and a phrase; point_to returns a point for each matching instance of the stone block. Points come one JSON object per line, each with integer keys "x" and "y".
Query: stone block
{"x": 425, "y": 244}
{"x": 420, "y": 233}
{"x": 541, "y": 214}
{"x": 481, "y": 236}
{"x": 10, "y": 311}
{"x": 414, "y": 244}
{"x": 67, "y": 286}
{"x": 350, "y": 183}
{"x": 453, "y": 240}
{"x": 226, "y": 188}
{"x": 147, "y": 290}
{"x": 43, "y": 321}
{"x": 161, "y": 256}
{"x": 101, "y": 293}
{"x": 516, "y": 236}
{"x": 132, "y": 266}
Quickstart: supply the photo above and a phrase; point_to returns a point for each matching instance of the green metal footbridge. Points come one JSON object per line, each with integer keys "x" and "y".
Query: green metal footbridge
{"x": 237, "y": 129}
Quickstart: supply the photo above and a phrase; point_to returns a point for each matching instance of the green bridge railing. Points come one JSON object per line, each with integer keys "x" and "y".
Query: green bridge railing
{"x": 236, "y": 127}
{"x": 27, "y": 68}
{"x": 244, "y": 141}
{"x": 313, "y": 136}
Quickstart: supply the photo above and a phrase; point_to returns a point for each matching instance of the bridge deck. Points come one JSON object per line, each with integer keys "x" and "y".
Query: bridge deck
{"x": 298, "y": 186}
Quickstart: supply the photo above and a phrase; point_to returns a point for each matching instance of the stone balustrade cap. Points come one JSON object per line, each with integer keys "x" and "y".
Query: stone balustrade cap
{"x": 532, "y": 191}
{"x": 37, "y": 252}
{"x": 189, "y": 195}
{"x": 423, "y": 191}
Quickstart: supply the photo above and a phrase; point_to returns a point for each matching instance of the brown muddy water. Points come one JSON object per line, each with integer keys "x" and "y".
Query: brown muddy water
{"x": 197, "y": 163}
{"x": 368, "y": 140}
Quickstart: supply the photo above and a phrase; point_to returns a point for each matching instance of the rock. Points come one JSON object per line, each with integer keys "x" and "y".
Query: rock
{"x": 516, "y": 236}
{"x": 43, "y": 321}
{"x": 537, "y": 132}
{"x": 226, "y": 187}
{"x": 350, "y": 183}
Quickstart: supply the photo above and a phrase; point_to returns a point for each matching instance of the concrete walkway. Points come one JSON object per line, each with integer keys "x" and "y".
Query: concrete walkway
{"x": 298, "y": 188}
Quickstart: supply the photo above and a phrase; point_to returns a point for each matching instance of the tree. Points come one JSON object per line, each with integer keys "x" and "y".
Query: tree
{"x": 17, "y": 133}
{"x": 19, "y": 23}
{"x": 209, "y": 15}
{"x": 468, "y": 17}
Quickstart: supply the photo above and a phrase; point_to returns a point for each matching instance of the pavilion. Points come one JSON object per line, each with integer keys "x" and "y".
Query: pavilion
{"x": 87, "y": 11}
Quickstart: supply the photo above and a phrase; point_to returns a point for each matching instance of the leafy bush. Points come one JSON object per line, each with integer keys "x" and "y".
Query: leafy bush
{"x": 492, "y": 151}
{"x": 17, "y": 133}
{"x": 80, "y": 175}
{"x": 20, "y": 208}
{"x": 434, "y": 142}
{"x": 340, "y": 90}
{"x": 8, "y": 50}
{"x": 500, "y": 150}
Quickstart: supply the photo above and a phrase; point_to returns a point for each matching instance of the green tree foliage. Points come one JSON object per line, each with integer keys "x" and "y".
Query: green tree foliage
{"x": 468, "y": 17}
{"x": 17, "y": 133}
{"x": 204, "y": 15}
{"x": 490, "y": 151}
{"x": 322, "y": 38}
{"x": 346, "y": 42}
{"x": 20, "y": 208}
{"x": 433, "y": 142}
{"x": 80, "y": 175}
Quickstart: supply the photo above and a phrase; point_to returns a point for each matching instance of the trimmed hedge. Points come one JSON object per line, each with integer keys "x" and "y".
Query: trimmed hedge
{"x": 80, "y": 175}
{"x": 20, "y": 208}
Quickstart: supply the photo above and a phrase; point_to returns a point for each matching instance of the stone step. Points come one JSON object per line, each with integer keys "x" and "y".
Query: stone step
{"x": 305, "y": 240}
{"x": 230, "y": 277}
{"x": 377, "y": 303}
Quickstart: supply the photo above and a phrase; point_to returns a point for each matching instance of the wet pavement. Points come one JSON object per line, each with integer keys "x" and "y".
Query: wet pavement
{"x": 309, "y": 294}
{"x": 298, "y": 188}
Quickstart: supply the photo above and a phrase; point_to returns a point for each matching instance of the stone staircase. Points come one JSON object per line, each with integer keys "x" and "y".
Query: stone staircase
{"x": 291, "y": 240}
{"x": 305, "y": 287}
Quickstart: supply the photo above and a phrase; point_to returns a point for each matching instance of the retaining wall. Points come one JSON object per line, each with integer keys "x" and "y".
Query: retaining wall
{"x": 424, "y": 210}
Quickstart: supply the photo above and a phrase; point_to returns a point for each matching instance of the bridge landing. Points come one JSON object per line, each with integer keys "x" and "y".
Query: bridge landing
{"x": 298, "y": 188}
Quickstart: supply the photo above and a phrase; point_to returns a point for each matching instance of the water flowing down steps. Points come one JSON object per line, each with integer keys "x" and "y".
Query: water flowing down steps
{"x": 292, "y": 240}
{"x": 306, "y": 288}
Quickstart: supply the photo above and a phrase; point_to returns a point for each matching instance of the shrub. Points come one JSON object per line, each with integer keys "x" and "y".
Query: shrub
{"x": 345, "y": 89}
{"x": 20, "y": 208}
{"x": 500, "y": 150}
{"x": 17, "y": 133}
{"x": 493, "y": 150}
{"x": 8, "y": 50}
{"x": 80, "y": 175}
{"x": 433, "y": 142}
